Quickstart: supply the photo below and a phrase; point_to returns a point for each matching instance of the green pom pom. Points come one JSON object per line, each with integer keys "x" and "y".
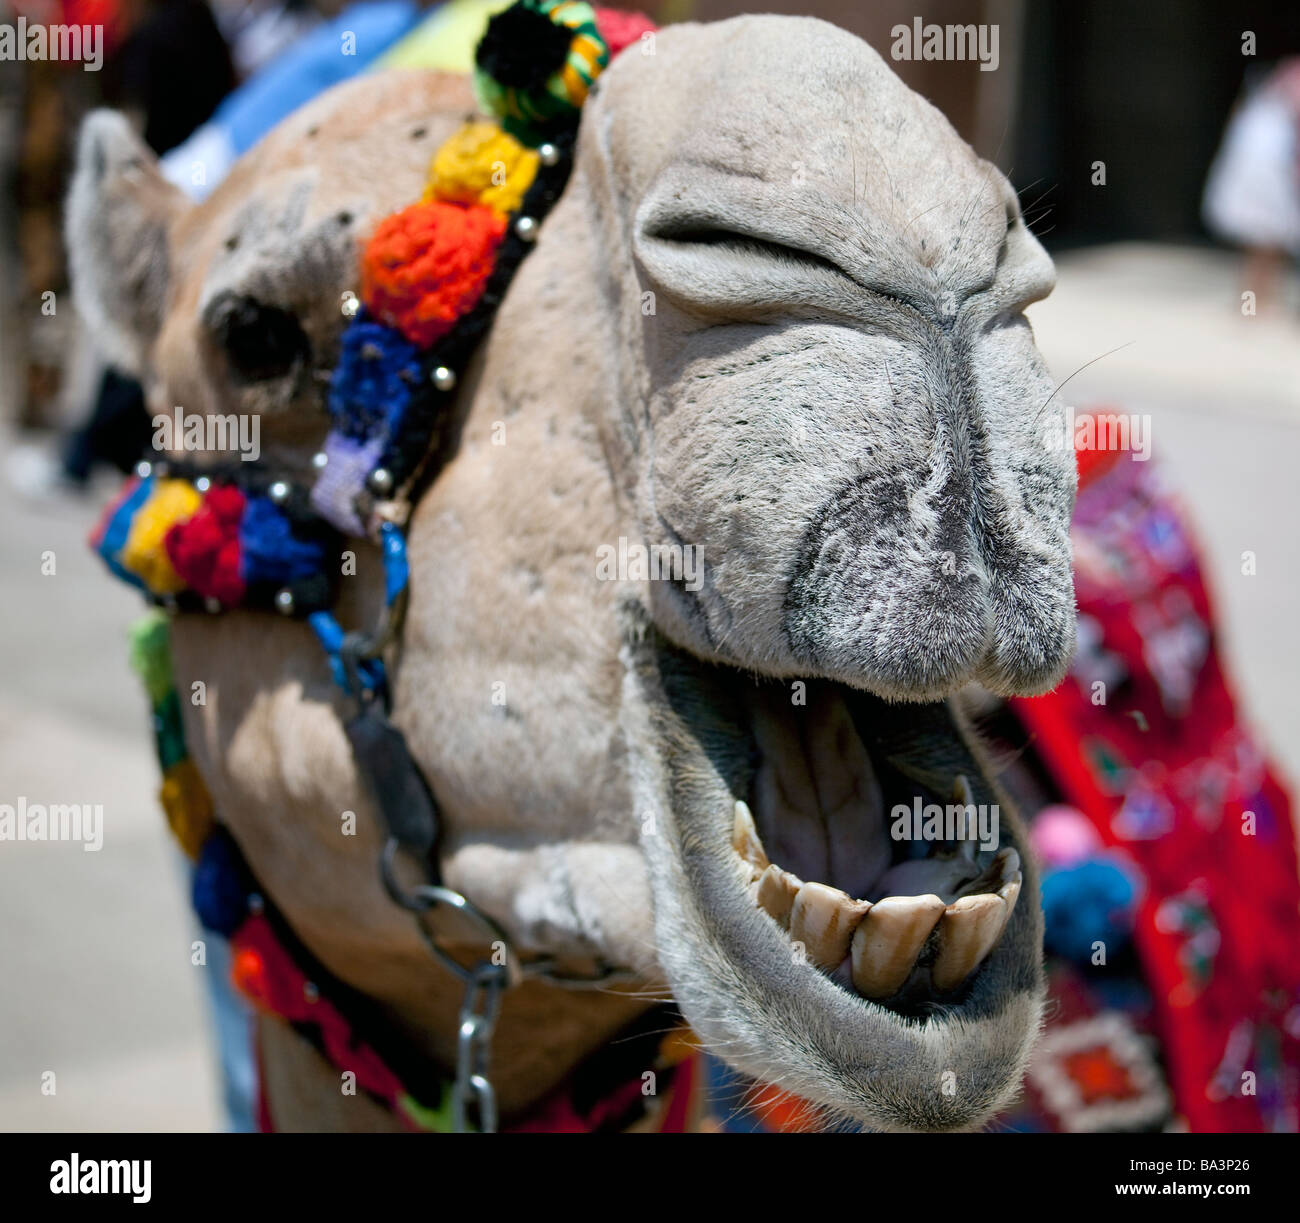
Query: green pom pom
{"x": 528, "y": 113}
{"x": 169, "y": 731}
{"x": 151, "y": 654}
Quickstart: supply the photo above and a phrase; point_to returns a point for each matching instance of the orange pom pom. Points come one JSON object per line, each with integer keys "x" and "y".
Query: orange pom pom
{"x": 427, "y": 265}
{"x": 248, "y": 972}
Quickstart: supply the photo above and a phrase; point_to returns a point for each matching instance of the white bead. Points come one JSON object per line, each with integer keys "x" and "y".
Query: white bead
{"x": 284, "y": 602}
{"x": 548, "y": 154}
{"x": 144, "y": 469}
{"x": 381, "y": 481}
{"x": 320, "y": 460}
{"x": 203, "y": 484}
{"x": 279, "y": 492}
{"x": 443, "y": 378}
{"x": 526, "y": 228}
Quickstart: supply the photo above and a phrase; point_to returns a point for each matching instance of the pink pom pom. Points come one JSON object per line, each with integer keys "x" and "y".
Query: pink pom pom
{"x": 620, "y": 29}
{"x": 1063, "y": 836}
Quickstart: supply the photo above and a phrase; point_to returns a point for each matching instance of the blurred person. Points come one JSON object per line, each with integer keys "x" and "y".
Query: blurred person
{"x": 257, "y": 31}
{"x": 167, "y": 95}
{"x": 1252, "y": 195}
{"x": 292, "y": 79}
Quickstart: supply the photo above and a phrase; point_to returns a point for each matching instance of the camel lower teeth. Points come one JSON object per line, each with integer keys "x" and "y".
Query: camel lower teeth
{"x": 886, "y": 944}
{"x": 967, "y": 932}
{"x": 882, "y": 940}
{"x": 823, "y": 919}
{"x": 775, "y": 893}
{"x": 745, "y": 840}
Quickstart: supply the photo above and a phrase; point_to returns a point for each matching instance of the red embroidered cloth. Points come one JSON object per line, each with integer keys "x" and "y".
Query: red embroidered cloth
{"x": 1143, "y": 737}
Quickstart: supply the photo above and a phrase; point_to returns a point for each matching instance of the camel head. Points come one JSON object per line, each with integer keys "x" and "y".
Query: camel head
{"x": 770, "y": 353}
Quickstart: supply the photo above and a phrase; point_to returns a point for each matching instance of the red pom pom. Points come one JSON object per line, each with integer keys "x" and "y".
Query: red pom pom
{"x": 620, "y": 29}
{"x": 204, "y": 551}
{"x": 427, "y": 265}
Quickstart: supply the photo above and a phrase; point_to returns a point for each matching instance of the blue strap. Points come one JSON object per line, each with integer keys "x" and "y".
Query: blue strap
{"x": 397, "y": 572}
{"x": 330, "y": 634}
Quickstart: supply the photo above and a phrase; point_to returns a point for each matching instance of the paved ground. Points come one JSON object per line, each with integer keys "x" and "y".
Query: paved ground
{"x": 95, "y": 948}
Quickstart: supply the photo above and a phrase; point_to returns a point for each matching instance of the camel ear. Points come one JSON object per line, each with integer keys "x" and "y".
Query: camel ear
{"x": 119, "y": 210}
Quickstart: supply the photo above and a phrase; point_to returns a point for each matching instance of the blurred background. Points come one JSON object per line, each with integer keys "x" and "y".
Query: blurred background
{"x": 1156, "y": 154}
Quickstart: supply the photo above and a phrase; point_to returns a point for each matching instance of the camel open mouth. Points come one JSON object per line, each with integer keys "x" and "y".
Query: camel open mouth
{"x": 894, "y": 890}
{"x": 844, "y": 905}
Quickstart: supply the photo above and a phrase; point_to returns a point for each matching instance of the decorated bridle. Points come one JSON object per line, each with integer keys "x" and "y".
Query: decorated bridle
{"x": 217, "y": 537}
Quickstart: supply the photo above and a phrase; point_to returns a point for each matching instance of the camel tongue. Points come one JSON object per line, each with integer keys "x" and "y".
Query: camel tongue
{"x": 817, "y": 797}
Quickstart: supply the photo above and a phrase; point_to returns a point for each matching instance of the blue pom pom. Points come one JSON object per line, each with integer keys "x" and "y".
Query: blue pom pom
{"x": 219, "y": 892}
{"x": 269, "y": 550}
{"x": 372, "y": 382}
{"x": 1088, "y": 903}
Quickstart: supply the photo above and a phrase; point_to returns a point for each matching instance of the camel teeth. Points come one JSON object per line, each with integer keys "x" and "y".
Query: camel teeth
{"x": 823, "y": 919}
{"x": 1004, "y": 868}
{"x": 888, "y": 940}
{"x": 746, "y": 842}
{"x": 775, "y": 892}
{"x": 1010, "y": 892}
{"x": 968, "y": 931}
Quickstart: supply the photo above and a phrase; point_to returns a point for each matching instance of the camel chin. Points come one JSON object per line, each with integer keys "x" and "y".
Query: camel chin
{"x": 895, "y": 984}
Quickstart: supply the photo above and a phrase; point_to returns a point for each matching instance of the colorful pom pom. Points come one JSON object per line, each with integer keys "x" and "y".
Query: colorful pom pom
{"x": 218, "y": 890}
{"x": 169, "y": 731}
{"x": 1063, "y": 836}
{"x": 188, "y": 806}
{"x": 1086, "y": 904}
{"x": 204, "y": 551}
{"x": 620, "y": 29}
{"x": 427, "y": 265}
{"x": 270, "y": 551}
{"x": 348, "y": 462}
{"x": 512, "y": 57}
{"x": 484, "y": 165}
{"x": 144, "y": 554}
{"x": 372, "y": 382}
{"x": 149, "y": 642}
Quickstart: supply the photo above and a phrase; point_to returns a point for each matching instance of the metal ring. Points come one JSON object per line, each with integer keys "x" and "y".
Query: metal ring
{"x": 429, "y": 896}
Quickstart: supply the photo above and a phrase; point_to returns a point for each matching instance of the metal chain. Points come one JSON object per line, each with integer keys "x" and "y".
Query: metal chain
{"x": 478, "y": 1019}
{"x": 486, "y": 981}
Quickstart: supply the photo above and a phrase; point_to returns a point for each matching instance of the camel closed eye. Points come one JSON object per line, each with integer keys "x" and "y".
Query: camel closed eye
{"x": 702, "y": 265}
{"x": 742, "y": 245}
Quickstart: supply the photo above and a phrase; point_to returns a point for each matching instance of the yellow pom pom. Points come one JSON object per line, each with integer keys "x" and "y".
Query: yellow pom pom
{"x": 481, "y": 164}
{"x": 188, "y": 805}
{"x": 171, "y": 501}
